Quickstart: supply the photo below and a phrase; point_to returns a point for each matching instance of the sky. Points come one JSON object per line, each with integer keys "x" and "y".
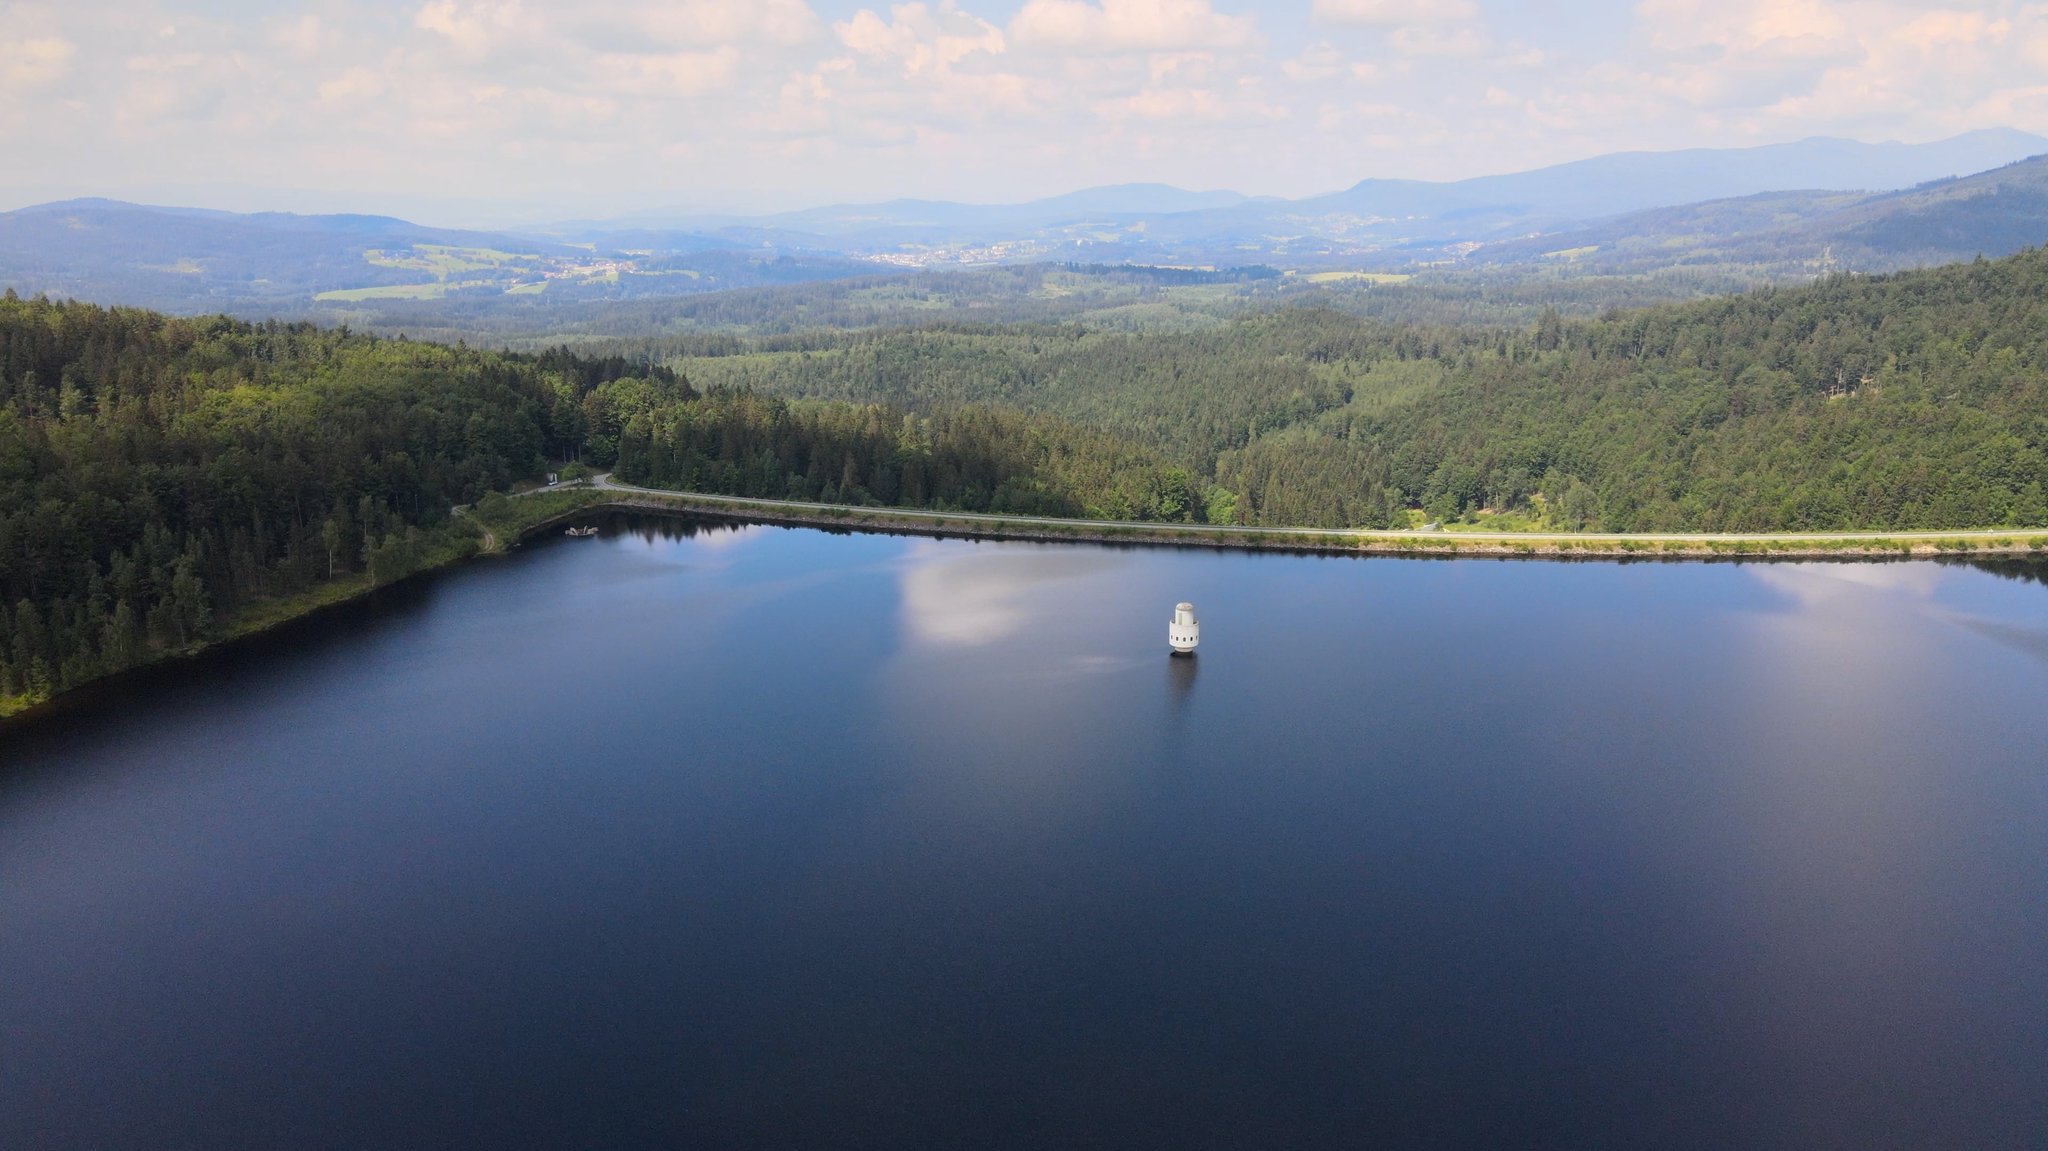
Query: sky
{"x": 501, "y": 111}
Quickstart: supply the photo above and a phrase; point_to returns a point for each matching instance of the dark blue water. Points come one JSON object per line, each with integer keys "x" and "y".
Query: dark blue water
{"x": 765, "y": 837}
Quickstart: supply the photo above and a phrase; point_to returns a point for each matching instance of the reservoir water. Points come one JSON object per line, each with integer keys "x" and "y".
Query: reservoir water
{"x": 707, "y": 837}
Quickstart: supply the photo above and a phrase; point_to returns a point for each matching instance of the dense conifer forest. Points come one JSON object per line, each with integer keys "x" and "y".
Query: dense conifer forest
{"x": 161, "y": 479}
{"x": 159, "y": 475}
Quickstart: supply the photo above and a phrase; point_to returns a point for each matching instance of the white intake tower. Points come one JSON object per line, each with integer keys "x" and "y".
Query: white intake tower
{"x": 1183, "y": 633}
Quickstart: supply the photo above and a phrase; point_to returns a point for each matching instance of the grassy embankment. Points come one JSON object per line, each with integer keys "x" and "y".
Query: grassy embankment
{"x": 1850, "y": 545}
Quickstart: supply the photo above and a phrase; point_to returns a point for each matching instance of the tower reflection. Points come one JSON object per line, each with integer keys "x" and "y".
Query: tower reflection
{"x": 1180, "y": 680}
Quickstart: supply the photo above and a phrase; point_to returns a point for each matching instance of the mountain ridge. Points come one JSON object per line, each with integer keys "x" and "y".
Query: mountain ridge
{"x": 1380, "y": 209}
{"x": 1992, "y": 213}
{"x": 197, "y": 259}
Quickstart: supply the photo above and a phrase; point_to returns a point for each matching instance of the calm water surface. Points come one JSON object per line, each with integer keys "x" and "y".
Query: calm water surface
{"x": 767, "y": 837}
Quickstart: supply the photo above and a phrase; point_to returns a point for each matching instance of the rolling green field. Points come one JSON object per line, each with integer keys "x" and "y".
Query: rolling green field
{"x": 443, "y": 262}
{"x": 475, "y": 271}
{"x": 388, "y": 292}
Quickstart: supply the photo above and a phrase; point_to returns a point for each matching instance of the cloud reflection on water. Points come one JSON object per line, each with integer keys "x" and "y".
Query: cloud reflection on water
{"x": 1817, "y": 585}
{"x": 1846, "y": 635}
{"x": 1849, "y": 598}
{"x": 1013, "y": 683}
{"x": 951, "y": 599}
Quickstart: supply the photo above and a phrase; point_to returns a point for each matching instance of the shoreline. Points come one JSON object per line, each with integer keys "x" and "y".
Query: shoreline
{"x": 1996, "y": 542}
{"x": 265, "y": 616}
{"x": 562, "y": 504}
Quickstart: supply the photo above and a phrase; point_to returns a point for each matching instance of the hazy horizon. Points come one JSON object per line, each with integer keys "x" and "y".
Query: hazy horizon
{"x": 502, "y": 111}
{"x": 461, "y": 212}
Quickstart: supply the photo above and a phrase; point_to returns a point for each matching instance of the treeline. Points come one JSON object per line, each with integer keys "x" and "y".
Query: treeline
{"x": 981, "y": 459}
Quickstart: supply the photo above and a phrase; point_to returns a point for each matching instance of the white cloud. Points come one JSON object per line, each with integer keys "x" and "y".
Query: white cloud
{"x": 1430, "y": 40}
{"x": 1414, "y": 27}
{"x": 1184, "y": 93}
{"x": 1743, "y": 25}
{"x": 476, "y": 27}
{"x": 921, "y": 40}
{"x": 30, "y": 64}
{"x": 354, "y": 84}
{"x": 1394, "y": 13}
{"x": 665, "y": 99}
{"x": 677, "y": 25}
{"x": 1319, "y": 61}
{"x": 305, "y": 36}
{"x": 675, "y": 73}
{"x": 1129, "y": 25}
{"x": 1761, "y": 66}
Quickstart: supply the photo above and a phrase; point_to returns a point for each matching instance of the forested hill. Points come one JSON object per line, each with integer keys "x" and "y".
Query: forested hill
{"x": 157, "y": 475}
{"x": 1915, "y": 400}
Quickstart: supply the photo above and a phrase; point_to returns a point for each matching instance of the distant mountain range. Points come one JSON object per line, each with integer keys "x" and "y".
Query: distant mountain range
{"x": 1810, "y": 205}
{"x": 190, "y": 260}
{"x": 1632, "y": 181}
{"x": 1992, "y": 214}
{"x": 187, "y": 258}
{"x": 1159, "y": 222}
